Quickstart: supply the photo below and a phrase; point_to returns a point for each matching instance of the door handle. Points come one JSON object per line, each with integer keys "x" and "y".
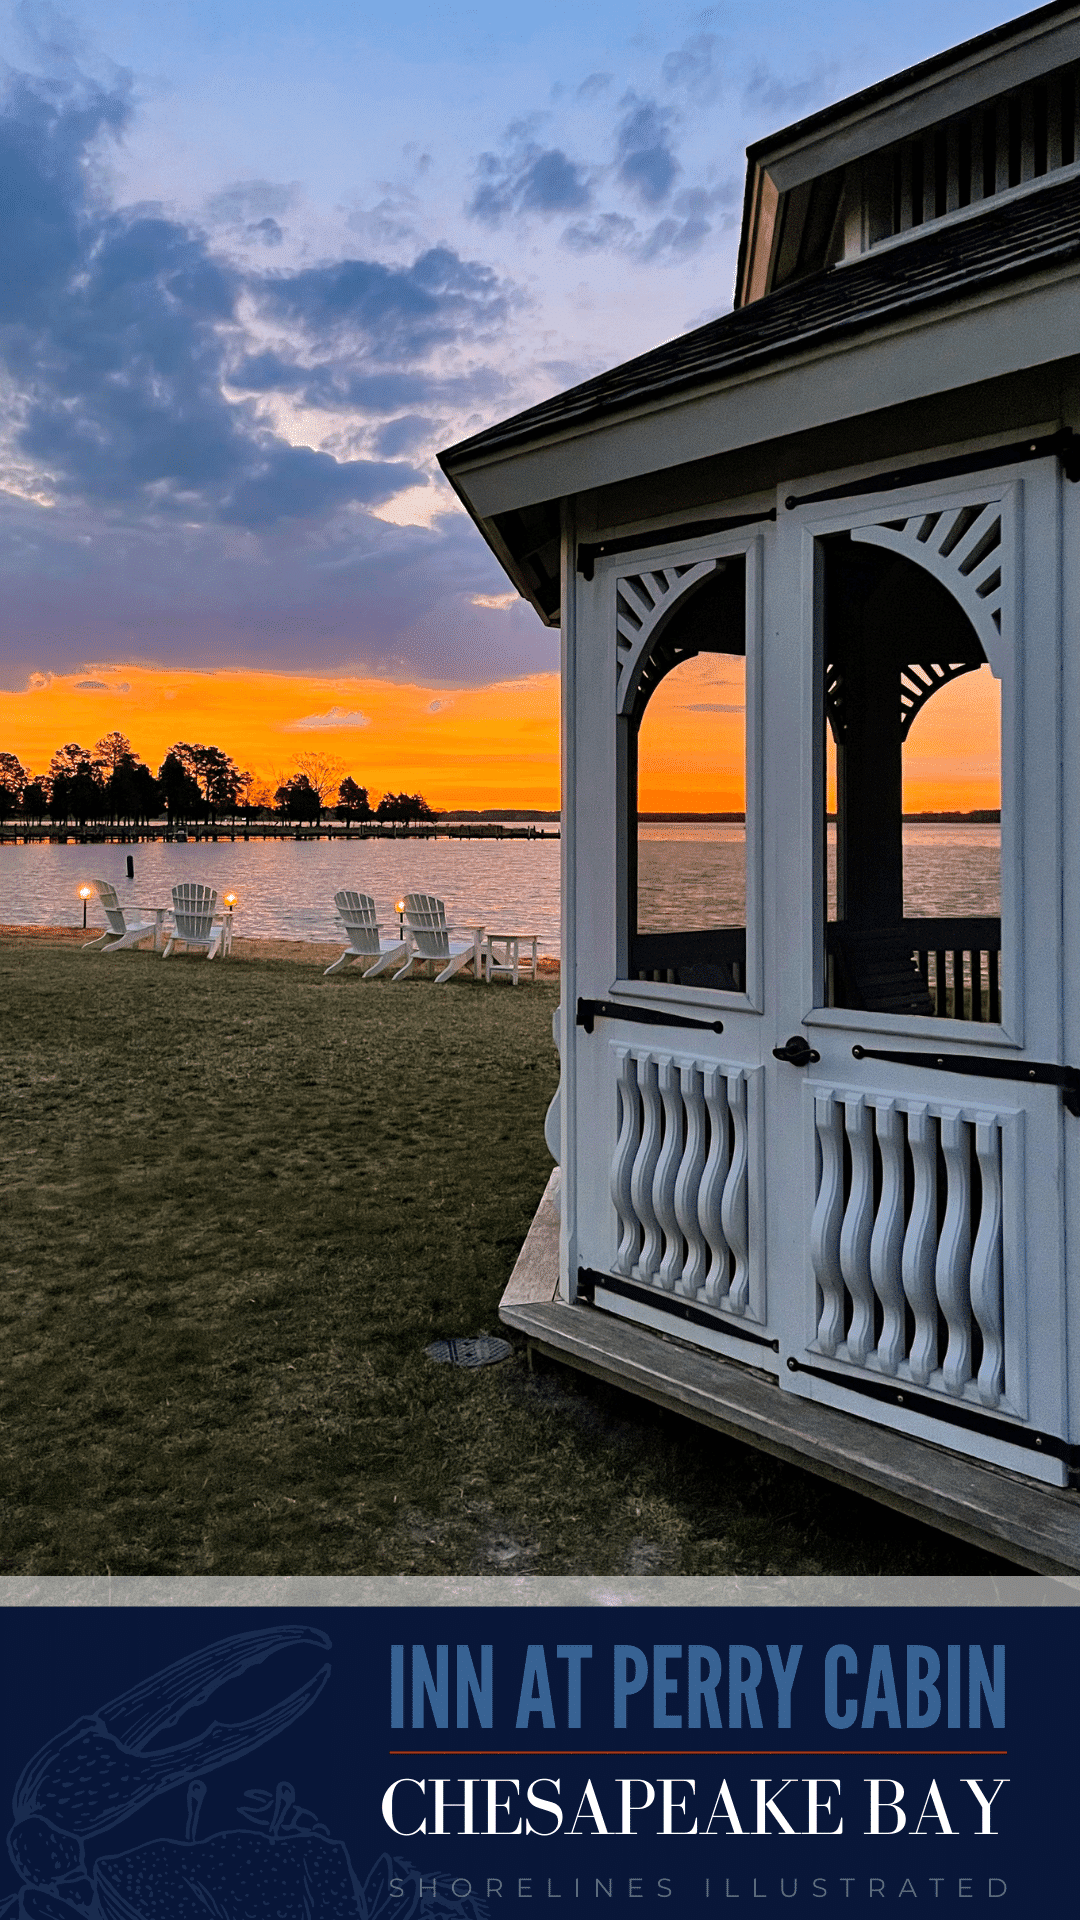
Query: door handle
{"x": 797, "y": 1051}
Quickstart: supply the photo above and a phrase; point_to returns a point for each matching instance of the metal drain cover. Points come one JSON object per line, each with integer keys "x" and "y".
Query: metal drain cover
{"x": 481, "y": 1352}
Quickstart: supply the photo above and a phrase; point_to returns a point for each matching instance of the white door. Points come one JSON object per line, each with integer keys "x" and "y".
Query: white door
{"x": 921, "y": 1274}
{"x": 754, "y": 1167}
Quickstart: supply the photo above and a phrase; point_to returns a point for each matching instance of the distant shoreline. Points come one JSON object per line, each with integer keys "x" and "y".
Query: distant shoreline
{"x": 979, "y": 817}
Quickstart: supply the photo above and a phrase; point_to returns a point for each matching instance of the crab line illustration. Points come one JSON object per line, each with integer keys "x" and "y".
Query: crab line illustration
{"x": 284, "y": 1865}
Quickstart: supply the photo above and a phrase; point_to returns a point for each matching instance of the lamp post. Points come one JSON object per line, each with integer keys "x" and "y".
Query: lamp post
{"x": 399, "y": 909}
{"x": 230, "y": 902}
{"x": 84, "y": 895}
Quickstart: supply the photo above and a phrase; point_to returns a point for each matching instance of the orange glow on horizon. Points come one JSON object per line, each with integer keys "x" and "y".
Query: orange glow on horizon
{"x": 484, "y": 746}
{"x": 481, "y": 746}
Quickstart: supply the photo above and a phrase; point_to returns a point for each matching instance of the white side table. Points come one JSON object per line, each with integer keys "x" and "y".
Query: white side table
{"x": 502, "y": 954}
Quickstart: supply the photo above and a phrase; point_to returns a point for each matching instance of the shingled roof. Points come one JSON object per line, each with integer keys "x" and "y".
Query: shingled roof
{"x": 1027, "y": 235}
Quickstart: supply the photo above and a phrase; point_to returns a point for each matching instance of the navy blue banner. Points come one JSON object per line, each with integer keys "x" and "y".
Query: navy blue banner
{"x": 198, "y": 1763}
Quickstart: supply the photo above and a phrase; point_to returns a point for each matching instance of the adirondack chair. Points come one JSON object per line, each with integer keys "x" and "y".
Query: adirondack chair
{"x": 359, "y": 917}
{"x": 196, "y": 922}
{"x": 125, "y": 928}
{"x": 430, "y": 939}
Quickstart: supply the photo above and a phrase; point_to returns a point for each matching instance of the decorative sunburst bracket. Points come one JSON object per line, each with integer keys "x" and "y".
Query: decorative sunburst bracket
{"x": 965, "y": 548}
{"x": 644, "y": 603}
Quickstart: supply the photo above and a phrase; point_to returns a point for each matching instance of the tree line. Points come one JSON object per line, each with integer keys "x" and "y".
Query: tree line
{"x": 194, "y": 785}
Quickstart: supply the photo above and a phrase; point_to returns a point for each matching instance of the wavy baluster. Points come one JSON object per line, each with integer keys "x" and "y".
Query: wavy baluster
{"x": 986, "y": 1264}
{"x": 858, "y": 1225}
{"x": 712, "y": 1185}
{"x": 641, "y": 1174}
{"x": 667, "y": 1168}
{"x": 688, "y": 1183}
{"x": 734, "y": 1207}
{"x": 622, "y": 1160}
{"x": 952, "y": 1271}
{"x": 887, "y": 1241}
{"x": 825, "y": 1224}
{"x": 920, "y": 1245}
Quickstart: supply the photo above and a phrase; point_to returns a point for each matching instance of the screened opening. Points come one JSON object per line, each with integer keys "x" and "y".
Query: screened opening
{"x": 912, "y": 793}
{"x": 685, "y": 751}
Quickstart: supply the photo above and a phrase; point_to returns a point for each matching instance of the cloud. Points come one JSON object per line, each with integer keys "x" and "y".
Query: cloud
{"x": 346, "y": 384}
{"x": 647, "y": 165}
{"x": 765, "y": 88}
{"x": 418, "y": 506}
{"x": 120, "y": 330}
{"x": 248, "y": 201}
{"x": 676, "y": 235}
{"x": 695, "y": 68}
{"x": 439, "y": 706}
{"x": 398, "y": 313}
{"x": 495, "y": 599}
{"x": 405, "y": 434}
{"x": 614, "y": 231}
{"x": 92, "y": 686}
{"x": 593, "y": 85}
{"x": 530, "y": 179}
{"x": 336, "y": 719}
{"x": 253, "y": 209}
{"x": 158, "y": 391}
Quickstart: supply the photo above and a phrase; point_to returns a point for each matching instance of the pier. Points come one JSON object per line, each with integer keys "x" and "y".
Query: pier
{"x": 100, "y": 833}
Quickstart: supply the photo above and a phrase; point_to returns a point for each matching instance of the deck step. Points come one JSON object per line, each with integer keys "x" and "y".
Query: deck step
{"x": 1002, "y": 1512}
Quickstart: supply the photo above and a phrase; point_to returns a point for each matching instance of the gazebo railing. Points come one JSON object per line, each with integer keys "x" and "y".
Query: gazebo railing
{"x": 706, "y": 957}
{"x": 951, "y": 968}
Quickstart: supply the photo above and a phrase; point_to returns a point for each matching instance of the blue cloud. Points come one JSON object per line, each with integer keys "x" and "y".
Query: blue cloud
{"x": 530, "y": 179}
{"x": 399, "y": 312}
{"x": 647, "y": 165}
{"x": 695, "y": 68}
{"x": 119, "y": 332}
{"x": 405, "y": 434}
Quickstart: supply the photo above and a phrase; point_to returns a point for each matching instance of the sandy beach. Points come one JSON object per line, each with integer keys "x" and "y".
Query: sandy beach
{"x": 310, "y": 953}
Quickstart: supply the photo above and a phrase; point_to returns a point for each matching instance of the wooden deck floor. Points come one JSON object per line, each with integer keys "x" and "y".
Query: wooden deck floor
{"x": 1036, "y": 1526}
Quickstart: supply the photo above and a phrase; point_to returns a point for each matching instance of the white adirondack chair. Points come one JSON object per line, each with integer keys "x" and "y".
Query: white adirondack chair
{"x": 125, "y": 929}
{"x": 430, "y": 939}
{"x": 359, "y": 917}
{"x": 196, "y": 922}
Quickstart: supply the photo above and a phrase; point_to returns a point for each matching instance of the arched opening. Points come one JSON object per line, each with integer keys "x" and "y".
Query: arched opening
{"x": 684, "y": 753}
{"x": 913, "y": 808}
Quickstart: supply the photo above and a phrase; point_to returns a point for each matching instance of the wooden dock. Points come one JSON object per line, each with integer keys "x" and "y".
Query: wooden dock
{"x": 156, "y": 831}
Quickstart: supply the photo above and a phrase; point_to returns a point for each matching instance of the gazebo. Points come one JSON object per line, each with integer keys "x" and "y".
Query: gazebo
{"x": 819, "y": 1146}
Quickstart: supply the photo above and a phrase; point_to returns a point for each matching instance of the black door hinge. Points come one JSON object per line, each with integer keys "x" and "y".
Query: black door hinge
{"x": 1033, "y": 1072}
{"x": 590, "y": 1010}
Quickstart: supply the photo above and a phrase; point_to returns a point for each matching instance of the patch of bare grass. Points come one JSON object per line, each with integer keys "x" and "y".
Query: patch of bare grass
{"x": 239, "y": 1203}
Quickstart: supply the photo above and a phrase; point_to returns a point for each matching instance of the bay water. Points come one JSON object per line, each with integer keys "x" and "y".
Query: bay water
{"x": 690, "y": 875}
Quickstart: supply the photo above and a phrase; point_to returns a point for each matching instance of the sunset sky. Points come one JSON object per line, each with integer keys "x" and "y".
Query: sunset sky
{"x": 262, "y": 259}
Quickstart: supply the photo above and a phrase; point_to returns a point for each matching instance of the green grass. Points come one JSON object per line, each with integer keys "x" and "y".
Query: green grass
{"x": 240, "y": 1202}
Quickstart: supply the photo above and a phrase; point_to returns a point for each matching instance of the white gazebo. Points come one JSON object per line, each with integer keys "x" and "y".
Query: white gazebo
{"x": 819, "y": 1144}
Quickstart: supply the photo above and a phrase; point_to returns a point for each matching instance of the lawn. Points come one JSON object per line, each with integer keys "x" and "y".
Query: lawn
{"x": 240, "y": 1203}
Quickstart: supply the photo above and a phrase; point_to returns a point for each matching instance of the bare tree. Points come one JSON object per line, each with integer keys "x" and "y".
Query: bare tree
{"x": 322, "y": 774}
{"x": 111, "y": 749}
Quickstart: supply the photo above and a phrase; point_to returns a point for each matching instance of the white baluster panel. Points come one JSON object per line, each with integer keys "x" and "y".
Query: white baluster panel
{"x": 641, "y": 1174}
{"x": 855, "y": 1234}
{"x": 667, "y": 1171}
{"x": 626, "y": 1146}
{"x": 826, "y": 1223}
{"x": 688, "y": 1180}
{"x": 686, "y": 1157}
{"x": 910, "y": 1244}
{"x": 734, "y": 1210}
{"x": 713, "y": 1182}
